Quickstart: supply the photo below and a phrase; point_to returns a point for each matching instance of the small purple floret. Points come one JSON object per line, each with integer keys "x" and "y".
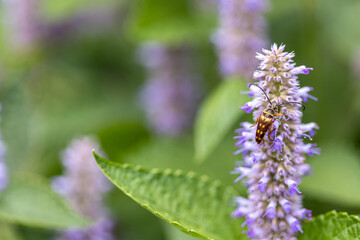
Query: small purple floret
{"x": 278, "y": 144}
{"x": 246, "y": 108}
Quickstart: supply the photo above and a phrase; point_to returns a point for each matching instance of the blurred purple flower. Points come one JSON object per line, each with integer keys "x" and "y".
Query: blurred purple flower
{"x": 171, "y": 95}
{"x": 22, "y": 23}
{"x": 84, "y": 185}
{"x": 3, "y": 168}
{"x": 241, "y": 33}
{"x": 273, "y": 169}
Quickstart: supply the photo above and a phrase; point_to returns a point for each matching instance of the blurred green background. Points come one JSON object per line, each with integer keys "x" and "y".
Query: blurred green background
{"x": 85, "y": 80}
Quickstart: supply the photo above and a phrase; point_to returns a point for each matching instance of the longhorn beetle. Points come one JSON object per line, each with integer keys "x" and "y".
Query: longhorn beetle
{"x": 266, "y": 119}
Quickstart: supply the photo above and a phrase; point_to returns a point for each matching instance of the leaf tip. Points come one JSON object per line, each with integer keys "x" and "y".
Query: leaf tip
{"x": 99, "y": 160}
{"x": 95, "y": 154}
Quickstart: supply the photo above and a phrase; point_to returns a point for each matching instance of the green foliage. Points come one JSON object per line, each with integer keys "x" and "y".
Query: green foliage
{"x": 340, "y": 20}
{"x": 196, "y": 205}
{"x": 15, "y": 126}
{"x": 168, "y": 22}
{"x": 166, "y": 153}
{"x": 67, "y": 88}
{"x": 41, "y": 123}
{"x": 336, "y": 175}
{"x": 7, "y": 232}
{"x": 123, "y": 138}
{"x": 332, "y": 226}
{"x": 31, "y": 202}
{"x": 172, "y": 233}
{"x": 58, "y": 10}
{"x": 217, "y": 115}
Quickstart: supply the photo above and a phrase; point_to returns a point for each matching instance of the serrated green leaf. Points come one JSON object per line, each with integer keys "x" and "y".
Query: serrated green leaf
{"x": 336, "y": 175}
{"x": 29, "y": 201}
{"x": 165, "y": 153}
{"x": 332, "y": 226}
{"x": 7, "y": 232}
{"x": 195, "y": 205}
{"x": 172, "y": 233}
{"x": 217, "y": 115}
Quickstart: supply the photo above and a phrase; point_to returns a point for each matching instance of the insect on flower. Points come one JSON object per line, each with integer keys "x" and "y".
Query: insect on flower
{"x": 266, "y": 119}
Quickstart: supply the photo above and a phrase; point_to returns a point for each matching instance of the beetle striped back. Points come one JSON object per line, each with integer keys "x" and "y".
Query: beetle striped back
{"x": 265, "y": 121}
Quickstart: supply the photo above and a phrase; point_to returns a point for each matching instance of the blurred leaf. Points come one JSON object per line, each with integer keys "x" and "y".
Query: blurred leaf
{"x": 15, "y": 121}
{"x": 7, "y": 232}
{"x": 217, "y": 115}
{"x": 123, "y": 138}
{"x": 130, "y": 215}
{"x": 168, "y": 22}
{"x": 336, "y": 175}
{"x": 196, "y": 205}
{"x": 40, "y": 122}
{"x": 57, "y": 10}
{"x": 340, "y": 26}
{"x": 332, "y": 226}
{"x": 31, "y": 202}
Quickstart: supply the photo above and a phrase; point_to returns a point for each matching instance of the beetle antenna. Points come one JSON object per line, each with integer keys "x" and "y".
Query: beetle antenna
{"x": 293, "y": 102}
{"x": 261, "y": 90}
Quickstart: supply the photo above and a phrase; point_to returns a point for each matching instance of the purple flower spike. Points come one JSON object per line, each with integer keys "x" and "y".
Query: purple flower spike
{"x": 22, "y": 22}
{"x": 3, "y": 167}
{"x": 170, "y": 97}
{"x": 3, "y": 176}
{"x": 275, "y": 168}
{"x": 80, "y": 171}
{"x": 242, "y": 32}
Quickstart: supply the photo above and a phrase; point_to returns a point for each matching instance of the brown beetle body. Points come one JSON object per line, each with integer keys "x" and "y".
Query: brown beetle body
{"x": 265, "y": 120}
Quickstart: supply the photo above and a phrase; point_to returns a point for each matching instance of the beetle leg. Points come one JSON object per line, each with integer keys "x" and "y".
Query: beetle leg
{"x": 278, "y": 114}
{"x": 257, "y": 120}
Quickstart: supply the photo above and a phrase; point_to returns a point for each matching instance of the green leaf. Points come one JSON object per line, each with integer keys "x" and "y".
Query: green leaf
{"x": 29, "y": 201}
{"x": 332, "y": 226}
{"x": 196, "y": 205}
{"x": 59, "y": 10}
{"x": 7, "y": 232}
{"x": 168, "y": 22}
{"x": 165, "y": 153}
{"x": 172, "y": 233}
{"x": 334, "y": 16}
{"x": 336, "y": 175}
{"x": 217, "y": 115}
